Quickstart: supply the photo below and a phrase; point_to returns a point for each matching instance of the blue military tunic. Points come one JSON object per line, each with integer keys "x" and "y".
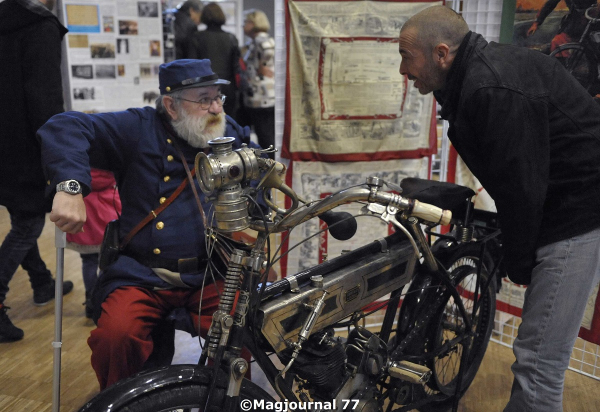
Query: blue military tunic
{"x": 136, "y": 147}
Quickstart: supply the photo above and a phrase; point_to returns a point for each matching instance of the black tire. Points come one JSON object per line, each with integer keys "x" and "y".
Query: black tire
{"x": 171, "y": 389}
{"x": 187, "y": 397}
{"x": 580, "y": 62}
{"x": 445, "y": 366}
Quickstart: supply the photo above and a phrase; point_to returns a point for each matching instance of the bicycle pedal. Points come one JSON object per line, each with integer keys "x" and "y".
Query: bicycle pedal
{"x": 409, "y": 371}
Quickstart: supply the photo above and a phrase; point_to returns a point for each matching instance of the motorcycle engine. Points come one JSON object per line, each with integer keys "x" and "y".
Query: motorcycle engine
{"x": 336, "y": 368}
{"x": 321, "y": 362}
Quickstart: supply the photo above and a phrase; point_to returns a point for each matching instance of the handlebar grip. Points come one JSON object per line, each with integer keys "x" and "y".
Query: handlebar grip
{"x": 431, "y": 213}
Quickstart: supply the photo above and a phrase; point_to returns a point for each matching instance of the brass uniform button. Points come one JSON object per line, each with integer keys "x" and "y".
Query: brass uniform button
{"x": 167, "y": 178}
{"x": 160, "y": 225}
{"x": 162, "y": 200}
{"x": 156, "y": 251}
{"x": 169, "y": 141}
{"x": 48, "y": 182}
{"x": 169, "y": 158}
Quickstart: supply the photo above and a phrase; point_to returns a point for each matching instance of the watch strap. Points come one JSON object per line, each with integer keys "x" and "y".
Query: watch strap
{"x": 64, "y": 187}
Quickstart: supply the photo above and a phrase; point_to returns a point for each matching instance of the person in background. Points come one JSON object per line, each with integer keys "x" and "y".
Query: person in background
{"x": 221, "y": 48}
{"x": 258, "y": 80}
{"x": 531, "y": 134}
{"x": 102, "y": 205}
{"x": 187, "y": 19}
{"x": 30, "y": 55}
{"x": 572, "y": 24}
{"x": 162, "y": 267}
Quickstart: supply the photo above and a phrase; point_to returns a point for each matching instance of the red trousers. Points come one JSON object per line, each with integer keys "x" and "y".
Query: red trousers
{"x": 121, "y": 343}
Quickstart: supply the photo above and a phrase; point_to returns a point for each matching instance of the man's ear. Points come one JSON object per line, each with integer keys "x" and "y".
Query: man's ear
{"x": 169, "y": 104}
{"x": 442, "y": 55}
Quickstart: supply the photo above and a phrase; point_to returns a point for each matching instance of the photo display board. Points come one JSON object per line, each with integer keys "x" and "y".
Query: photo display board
{"x": 114, "y": 49}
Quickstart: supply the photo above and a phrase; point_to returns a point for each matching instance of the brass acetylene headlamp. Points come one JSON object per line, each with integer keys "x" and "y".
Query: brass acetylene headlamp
{"x": 221, "y": 174}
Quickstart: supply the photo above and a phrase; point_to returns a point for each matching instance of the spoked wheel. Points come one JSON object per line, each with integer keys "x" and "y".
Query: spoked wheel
{"x": 579, "y": 62}
{"x": 177, "y": 388}
{"x": 450, "y": 339}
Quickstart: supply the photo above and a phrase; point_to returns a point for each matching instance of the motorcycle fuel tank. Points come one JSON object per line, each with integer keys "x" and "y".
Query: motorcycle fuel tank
{"x": 349, "y": 289}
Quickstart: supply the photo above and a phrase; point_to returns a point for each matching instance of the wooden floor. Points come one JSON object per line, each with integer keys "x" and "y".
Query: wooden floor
{"x": 26, "y": 366}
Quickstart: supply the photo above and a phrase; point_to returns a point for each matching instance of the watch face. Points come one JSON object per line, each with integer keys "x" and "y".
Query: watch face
{"x": 73, "y": 186}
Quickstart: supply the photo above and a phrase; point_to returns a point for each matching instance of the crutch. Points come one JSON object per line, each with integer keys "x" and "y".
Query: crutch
{"x": 60, "y": 240}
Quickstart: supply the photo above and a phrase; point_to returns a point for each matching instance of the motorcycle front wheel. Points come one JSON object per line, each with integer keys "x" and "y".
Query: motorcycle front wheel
{"x": 181, "y": 388}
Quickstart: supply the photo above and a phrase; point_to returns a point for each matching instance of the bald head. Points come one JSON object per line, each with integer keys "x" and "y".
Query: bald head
{"x": 428, "y": 44}
{"x": 435, "y": 25}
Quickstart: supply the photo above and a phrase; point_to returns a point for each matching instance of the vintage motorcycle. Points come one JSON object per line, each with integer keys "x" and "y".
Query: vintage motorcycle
{"x": 425, "y": 353}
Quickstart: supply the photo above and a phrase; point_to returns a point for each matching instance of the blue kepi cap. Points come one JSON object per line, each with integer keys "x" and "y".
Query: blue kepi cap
{"x": 186, "y": 73}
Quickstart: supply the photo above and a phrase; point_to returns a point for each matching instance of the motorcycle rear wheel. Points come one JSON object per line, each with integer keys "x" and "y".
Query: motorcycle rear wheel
{"x": 448, "y": 326}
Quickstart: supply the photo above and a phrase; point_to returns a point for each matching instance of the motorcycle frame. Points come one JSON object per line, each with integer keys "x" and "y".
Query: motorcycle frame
{"x": 425, "y": 281}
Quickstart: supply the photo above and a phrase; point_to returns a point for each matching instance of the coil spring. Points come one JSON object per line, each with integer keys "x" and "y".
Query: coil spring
{"x": 232, "y": 282}
{"x": 213, "y": 340}
{"x": 466, "y": 234}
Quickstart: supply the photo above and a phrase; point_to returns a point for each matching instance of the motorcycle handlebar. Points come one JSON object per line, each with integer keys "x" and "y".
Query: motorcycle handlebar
{"x": 411, "y": 207}
{"x": 224, "y": 171}
{"x": 591, "y": 18}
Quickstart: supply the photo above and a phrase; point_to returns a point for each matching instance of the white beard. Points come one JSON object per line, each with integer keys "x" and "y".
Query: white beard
{"x": 197, "y": 131}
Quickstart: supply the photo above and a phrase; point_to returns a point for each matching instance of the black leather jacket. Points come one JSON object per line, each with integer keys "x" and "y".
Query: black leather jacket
{"x": 531, "y": 134}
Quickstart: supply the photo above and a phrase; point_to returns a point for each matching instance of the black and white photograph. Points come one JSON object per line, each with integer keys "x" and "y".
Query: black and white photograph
{"x": 82, "y": 71}
{"x": 105, "y": 71}
{"x": 147, "y": 9}
{"x": 122, "y": 46}
{"x": 84, "y": 93}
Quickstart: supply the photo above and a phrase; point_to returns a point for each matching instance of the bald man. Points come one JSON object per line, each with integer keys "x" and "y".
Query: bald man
{"x": 531, "y": 134}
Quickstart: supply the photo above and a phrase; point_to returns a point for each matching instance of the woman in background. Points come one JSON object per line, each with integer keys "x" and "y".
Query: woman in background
{"x": 221, "y": 48}
{"x": 258, "y": 84}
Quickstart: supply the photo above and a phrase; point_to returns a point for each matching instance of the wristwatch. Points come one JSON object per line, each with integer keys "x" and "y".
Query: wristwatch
{"x": 72, "y": 187}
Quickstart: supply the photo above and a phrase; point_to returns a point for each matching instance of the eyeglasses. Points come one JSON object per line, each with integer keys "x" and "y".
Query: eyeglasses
{"x": 206, "y": 102}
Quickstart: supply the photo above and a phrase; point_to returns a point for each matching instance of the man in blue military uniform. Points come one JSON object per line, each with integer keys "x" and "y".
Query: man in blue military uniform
{"x": 162, "y": 267}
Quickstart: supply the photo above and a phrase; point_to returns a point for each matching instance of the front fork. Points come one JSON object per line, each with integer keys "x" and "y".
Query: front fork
{"x": 225, "y": 336}
{"x": 424, "y": 291}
